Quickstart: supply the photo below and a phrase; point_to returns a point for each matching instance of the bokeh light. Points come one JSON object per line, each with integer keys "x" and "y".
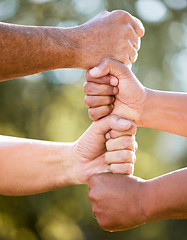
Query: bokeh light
{"x": 8, "y": 9}
{"x": 151, "y": 10}
{"x": 50, "y": 106}
{"x": 176, "y": 4}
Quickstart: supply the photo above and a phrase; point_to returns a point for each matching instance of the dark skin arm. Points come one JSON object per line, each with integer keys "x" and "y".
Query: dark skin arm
{"x": 27, "y": 50}
{"x": 120, "y": 202}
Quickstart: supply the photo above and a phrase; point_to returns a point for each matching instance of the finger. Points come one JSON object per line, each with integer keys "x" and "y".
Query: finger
{"x": 92, "y": 181}
{"x": 122, "y": 168}
{"x": 133, "y": 55}
{"x": 134, "y": 22}
{"x": 136, "y": 146}
{"x": 109, "y": 66}
{"x": 102, "y": 126}
{"x": 99, "y": 112}
{"x": 138, "y": 27}
{"x": 137, "y": 44}
{"x": 115, "y": 134}
{"x": 99, "y": 89}
{"x": 97, "y": 101}
{"x": 130, "y": 55}
{"x": 132, "y": 36}
{"x": 120, "y": 156}
{"x": 108, "y": 80}
{"x": 124, "y": 142}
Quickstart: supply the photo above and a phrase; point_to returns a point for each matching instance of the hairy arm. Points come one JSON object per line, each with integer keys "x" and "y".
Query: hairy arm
{"x": 27, "y": 49}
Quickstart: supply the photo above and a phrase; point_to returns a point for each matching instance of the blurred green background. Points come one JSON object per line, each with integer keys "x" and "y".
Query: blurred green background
{"x": 50, "y": 106}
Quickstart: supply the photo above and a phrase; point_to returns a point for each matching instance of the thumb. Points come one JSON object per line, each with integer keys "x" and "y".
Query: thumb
{"x": 109, "y": 66}
{"x": 111, "y": 122}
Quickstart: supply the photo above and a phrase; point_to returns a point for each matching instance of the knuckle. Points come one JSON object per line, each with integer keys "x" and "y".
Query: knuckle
{"x": 136, "y": 146}
{"x": 108, "y": 144}
{"x": 128, "y": 155}
{"x": 92, "y": 115}
{"x": 86, "y": 87}
{"x": 112, "y": 168}
{"x": 130, "y": 143}
{"x": 134, "y": 55}
{"x": 109, "y": 100}
{"x": 106, "y": 62}
{"x": 129, "y": 30}
{"x": 129, "y": 169}
{"x": 133, "y": 128}
{"x": 121, "y": 13}
{"x": 109, "y": 108}
{"x": 87, "y": 101}
{"x": 91, "y": 195}
{"x": 92, "y": 182}
{"x": 134, "y": 159}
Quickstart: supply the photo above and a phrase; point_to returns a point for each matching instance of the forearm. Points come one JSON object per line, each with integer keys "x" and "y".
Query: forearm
{"x": 27, "y": 50}
{"x": 165, "y": 197}
{"x": 33, "y": 166}
{"x": 166, "y": 111}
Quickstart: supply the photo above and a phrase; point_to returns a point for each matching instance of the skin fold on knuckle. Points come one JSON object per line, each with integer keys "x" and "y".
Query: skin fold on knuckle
{"x": 88, "y": 101}
{"x": 133, "y": 55}
{"x": 127, "y": 156}
{"x": 87, "y": 88}
{"x": 92, "y": 114}
{"x": 129, "y": 143}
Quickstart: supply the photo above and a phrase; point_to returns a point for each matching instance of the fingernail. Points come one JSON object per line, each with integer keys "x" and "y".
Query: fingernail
{"x": 124, "y": 123}
{"x": 114, "y": 81}
{"x": 94, "y": 71}
{"x": 107, "y": 136}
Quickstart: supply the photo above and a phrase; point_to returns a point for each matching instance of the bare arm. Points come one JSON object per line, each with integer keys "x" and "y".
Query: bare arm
{"x": 33, "y": 166}
{"x": 120, "y": 202}
{"x": 166, "y": 111}
{"x": 27, "y": 50}
{"x": 166, "y": 196}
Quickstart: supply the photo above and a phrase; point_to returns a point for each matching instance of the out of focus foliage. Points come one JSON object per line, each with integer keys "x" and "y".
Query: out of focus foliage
{"x": 50, "y": 106}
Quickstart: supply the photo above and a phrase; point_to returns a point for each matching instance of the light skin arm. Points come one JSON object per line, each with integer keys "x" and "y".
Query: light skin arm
{"x": 120, "y": 202}
{"x": 166, "y": 111}
{"x": 27, "y": 50}
{"x": 33, "y": 166}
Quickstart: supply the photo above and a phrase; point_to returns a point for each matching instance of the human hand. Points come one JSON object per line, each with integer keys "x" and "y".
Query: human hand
{"x": 89, "y": 151}
{"x": 121, "y": 149}
{"x": 116, "y": 201}
{"x": 113, "y": 34}
{"x": 131, "y": 94}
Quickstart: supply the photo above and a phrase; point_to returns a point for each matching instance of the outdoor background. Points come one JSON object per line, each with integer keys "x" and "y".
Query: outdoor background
{"x": 50, "y": 106}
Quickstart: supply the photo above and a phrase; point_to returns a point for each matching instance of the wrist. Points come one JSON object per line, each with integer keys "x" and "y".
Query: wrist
{"x": 142, "y": 201}
{"x": 66, "y": 47}
{"x": 148, "y": 106}
{"x": 67, "y": 174}
{"x": 150, "y": 201}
